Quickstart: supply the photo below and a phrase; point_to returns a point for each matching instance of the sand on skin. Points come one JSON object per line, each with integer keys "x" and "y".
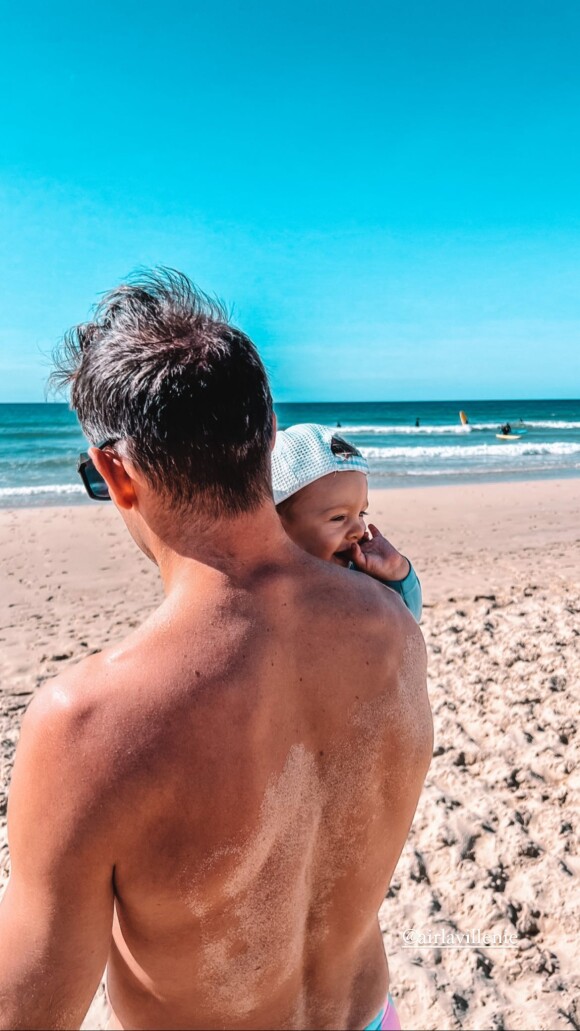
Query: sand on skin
{"x": 494, "y": 842}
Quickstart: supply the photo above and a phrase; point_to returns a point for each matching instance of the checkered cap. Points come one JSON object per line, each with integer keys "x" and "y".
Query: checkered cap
{"x": 303, "y": 453}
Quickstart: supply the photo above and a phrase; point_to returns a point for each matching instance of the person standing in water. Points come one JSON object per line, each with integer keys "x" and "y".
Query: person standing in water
{"x": 214, "y": 806}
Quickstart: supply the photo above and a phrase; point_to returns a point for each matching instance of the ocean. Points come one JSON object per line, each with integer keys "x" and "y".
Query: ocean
{"x": 39, "y": 443}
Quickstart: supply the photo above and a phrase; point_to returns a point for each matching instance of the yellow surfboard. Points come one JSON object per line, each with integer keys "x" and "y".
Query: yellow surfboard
{"x": 464, "y": 419}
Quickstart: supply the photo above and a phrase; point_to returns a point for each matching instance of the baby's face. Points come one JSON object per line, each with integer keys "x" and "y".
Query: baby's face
{"x": 327, "y": 516}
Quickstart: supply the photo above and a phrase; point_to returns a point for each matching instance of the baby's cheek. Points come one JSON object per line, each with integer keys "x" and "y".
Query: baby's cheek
{"x": 314, "y": 540}
{"x": 326, "y": 542}
{"x": 334, "y": 540}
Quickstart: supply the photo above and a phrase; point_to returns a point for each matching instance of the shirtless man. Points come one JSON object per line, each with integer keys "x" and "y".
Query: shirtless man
{"x": 214, "y": 807}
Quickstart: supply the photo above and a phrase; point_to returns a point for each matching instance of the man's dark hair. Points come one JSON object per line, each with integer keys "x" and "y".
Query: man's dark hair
{"x": 161, "y": 368}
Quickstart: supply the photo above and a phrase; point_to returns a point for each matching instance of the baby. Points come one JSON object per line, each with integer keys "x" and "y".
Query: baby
{"x": 324, "y": 512}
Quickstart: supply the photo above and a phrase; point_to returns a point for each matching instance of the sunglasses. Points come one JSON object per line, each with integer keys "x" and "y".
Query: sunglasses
{"x": 94, "y": 483}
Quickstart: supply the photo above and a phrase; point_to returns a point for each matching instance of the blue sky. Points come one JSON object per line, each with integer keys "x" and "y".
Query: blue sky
{"x": 387, "y": 193}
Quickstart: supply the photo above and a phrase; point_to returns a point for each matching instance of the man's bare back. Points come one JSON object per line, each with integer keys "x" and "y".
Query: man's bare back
{"x": 214, "y": 807}
{"x": 250, "y": 763}
{"x": 272, "y": 841}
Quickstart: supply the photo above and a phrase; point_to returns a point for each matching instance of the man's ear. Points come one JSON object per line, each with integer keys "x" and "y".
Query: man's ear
{"x": 118, "y": 479}
{"x": 274, "y": 430}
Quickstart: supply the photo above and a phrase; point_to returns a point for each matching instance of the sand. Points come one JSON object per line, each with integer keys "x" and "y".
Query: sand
{"x": 494, "y": 845}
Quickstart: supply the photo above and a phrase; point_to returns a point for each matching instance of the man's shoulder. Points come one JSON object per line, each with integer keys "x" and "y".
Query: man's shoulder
{"x": 355, "y": 595}
{"x": 70, "y": 722}
{"x": 391, "y": 642}
{"x": 63, "y": 700}
{"x": 65, "y": 775}
{"x": 367, "y": 635}
{"x": 357, "y": 619}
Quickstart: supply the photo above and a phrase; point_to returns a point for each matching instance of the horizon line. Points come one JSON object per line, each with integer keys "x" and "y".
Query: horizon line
{"x": 374, "y": 401}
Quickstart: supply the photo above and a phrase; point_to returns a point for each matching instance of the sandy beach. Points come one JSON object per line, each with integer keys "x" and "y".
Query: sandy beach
{"x": 494, "y": 845}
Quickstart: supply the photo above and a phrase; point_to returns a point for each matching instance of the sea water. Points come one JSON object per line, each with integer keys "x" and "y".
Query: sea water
{"x": 406, "y": 443}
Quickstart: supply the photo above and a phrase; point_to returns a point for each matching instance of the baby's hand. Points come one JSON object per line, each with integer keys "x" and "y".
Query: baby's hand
{"x": 376, "y": 556}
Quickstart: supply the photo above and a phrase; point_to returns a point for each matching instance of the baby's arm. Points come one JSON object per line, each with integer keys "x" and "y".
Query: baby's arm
{"x": 410, "y": 591}
{"x": 377, "y": 557}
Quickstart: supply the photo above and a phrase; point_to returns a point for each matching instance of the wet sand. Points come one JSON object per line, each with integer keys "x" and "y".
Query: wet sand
{"x": 494, "y": 845}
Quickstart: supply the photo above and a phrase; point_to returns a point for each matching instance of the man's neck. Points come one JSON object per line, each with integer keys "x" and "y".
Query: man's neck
{"x": 233, "y": 550}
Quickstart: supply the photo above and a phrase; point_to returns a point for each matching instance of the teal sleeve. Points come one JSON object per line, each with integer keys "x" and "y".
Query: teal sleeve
{"x": 410, "y": 591}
